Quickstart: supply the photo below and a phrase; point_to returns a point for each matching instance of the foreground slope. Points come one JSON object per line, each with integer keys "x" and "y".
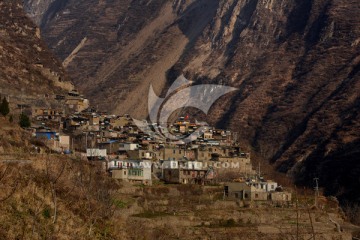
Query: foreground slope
{"x": 52, "y": 196}
{"x": 296, "y": 65}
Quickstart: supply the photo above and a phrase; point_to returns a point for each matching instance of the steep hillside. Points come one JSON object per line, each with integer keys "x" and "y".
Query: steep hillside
{"x": 296, "y": 65}
{"x": 47, "y": 196}
{"x": 28, "y": 70}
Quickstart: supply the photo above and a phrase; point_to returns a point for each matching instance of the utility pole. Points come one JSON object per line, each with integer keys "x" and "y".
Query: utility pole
{"x": 316, "y": 190}
{"x": 297, "y": 214}
{"x": 72, "y": 145}
{"x": 86, "y": 141}
{"x": 235, "y": 138}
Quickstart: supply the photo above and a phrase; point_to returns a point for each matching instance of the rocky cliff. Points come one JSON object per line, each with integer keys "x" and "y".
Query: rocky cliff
{"x": 296, "y": 64}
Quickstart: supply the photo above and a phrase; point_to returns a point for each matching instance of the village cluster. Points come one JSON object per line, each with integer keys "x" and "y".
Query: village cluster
{"x": 130, "y": 154}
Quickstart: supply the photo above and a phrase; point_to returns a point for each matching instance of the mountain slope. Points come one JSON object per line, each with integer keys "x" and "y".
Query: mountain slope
{"x": 27, "y": 68}
{"x": 296, "y": 65}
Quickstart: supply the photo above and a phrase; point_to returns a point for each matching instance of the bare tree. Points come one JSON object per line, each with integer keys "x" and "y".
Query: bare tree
{"x": 53, "y": 175}
{"x": 7, "y": 174}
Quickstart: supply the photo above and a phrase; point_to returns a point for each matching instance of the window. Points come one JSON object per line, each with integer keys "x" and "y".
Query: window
{"x": 226, "y": 190}
{"x": 256, "y": 195}
{"x": 136, "y": 172}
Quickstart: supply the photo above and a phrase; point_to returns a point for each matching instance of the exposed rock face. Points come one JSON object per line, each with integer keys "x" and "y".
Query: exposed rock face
{"x": 27, "y": 67}
{"x": 296, "y": 64}
{"x": 38, "y": 9}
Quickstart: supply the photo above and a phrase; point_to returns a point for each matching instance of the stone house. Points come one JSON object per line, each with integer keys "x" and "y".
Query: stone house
{"x": 244, "y": 191}
{"x": 186, "y": 172}
{"x": 264, "y": 191}
{"x": 280, "y": 196}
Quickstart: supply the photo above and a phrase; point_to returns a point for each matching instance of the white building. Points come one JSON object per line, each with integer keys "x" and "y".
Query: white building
{"x": 136, "y": 171}
{"x": 96, "y": 153}
{"x": 268, "y": 186}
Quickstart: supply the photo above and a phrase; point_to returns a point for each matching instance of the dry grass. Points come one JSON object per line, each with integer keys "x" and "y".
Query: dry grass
{"x": 61, "y": 197}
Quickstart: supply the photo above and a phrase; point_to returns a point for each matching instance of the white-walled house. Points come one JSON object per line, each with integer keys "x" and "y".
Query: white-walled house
{"x": 136, "y": 171}
{"x": 268, "y": 186}
{"x": 96, "y": 153}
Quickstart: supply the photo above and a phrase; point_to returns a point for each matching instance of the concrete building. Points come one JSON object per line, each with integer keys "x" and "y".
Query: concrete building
{"x": 244, "y": 191}
{"x": 136, "y": 171}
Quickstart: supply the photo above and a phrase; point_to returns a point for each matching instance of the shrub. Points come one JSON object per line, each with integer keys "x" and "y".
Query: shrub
{"x": 46, "y": 213}
{"x": 352, "y": 211}
{"x": 119, "y": 204}
{"x": 24, "y": 121}
{"x": 4, "y": 107}
{"x": 230, "y": 223}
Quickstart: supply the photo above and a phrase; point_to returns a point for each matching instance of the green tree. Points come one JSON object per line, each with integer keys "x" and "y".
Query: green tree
{"x": 24, "y": 121}
{"x": 4, "y": 107}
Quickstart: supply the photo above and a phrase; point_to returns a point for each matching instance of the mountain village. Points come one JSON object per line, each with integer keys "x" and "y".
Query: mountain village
{"x": 102, "y": 135}
{"x": 127, "y": 153}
